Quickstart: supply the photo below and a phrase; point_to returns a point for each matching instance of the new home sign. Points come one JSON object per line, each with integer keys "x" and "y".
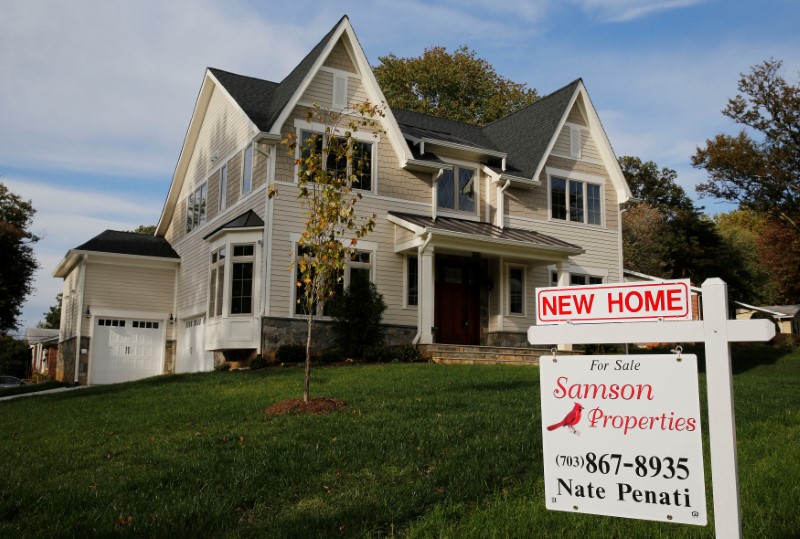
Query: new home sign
{"x": 621, "y": 436}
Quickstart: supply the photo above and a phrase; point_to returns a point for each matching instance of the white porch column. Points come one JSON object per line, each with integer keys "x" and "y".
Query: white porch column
{"x": 426, "y": 292}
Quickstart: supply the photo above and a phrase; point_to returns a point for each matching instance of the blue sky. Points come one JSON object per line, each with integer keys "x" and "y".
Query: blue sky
{"x": 96, "y": 95}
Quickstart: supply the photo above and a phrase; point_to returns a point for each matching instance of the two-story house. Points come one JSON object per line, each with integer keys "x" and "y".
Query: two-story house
{"x": 470, "y": 220}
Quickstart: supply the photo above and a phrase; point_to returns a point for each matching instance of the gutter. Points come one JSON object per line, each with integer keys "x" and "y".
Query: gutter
{"x": 501, "y": 204}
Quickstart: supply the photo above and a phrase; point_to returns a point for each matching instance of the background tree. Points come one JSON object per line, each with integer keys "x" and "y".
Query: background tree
{"x": 17, "y": 263}
{"x": 328, "y": 170}
{"x": 760, "y": 167}
{"x": 145, "y": 229}
{"x": 666, "y": 235}
{"x": 458, "y": 86}
{"x": 52, "y": 318}
{"x": 15, "y": 357}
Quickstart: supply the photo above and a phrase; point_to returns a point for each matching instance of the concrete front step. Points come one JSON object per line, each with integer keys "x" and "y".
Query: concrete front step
{"x": 488, "y": 355}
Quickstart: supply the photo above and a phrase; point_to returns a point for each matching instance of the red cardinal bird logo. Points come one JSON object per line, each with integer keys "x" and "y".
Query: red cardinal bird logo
{"x": 570, "y": 420}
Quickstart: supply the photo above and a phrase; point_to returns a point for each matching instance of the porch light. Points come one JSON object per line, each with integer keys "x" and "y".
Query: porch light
{"x": 88, "y": 313}
{"x": 171, "y": 319}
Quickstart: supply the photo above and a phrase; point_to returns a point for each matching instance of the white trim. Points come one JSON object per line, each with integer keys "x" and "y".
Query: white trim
{"x": 337, "y": 71}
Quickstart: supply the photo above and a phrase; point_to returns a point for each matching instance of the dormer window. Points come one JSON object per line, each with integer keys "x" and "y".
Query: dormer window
{"x": 456, "y": 189}
{"x": 576, "y": 200}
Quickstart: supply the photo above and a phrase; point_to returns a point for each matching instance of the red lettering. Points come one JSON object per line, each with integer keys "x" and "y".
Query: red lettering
{"x": 674, "y": 300}
{"x": 583, "y": 303}
{"x": 612, "y": 302}
{"x": 654, "y": 303}
{"x": 548, "y": 303}
{"x": 563, "y": 305}
{"x": 639, "y": 303}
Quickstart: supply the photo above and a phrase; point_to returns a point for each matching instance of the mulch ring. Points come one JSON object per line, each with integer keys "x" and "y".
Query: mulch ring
{"x": 317, "y": 406}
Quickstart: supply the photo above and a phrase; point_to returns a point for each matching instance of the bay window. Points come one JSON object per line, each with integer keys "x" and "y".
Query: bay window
{"x": 231, "y": 280}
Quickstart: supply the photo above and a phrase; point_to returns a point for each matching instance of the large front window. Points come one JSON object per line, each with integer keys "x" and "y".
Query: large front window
{"x": 358, "y": 265}
{"x": 575, "y": 201}
{"x": 358, "y": 162}
{"x": 456, "y": 189}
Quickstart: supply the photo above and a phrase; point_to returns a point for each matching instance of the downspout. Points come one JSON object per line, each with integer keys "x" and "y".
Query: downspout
{"x": 419, "y": 290}
{"x": 501, "y": 204}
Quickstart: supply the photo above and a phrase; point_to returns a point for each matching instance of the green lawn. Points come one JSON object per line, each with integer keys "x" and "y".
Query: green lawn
{"x": 423, "y": 451}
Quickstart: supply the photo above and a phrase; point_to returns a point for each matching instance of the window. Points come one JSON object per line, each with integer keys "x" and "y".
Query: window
{"x": 358, "y": 266}
{"x": 575, "y": 201}
{"x": 247, "y": 170}
{"x": 242, "y": 279}
{"x": 223, "y": 186}
{"x": 516, "y": 290}
{"x": 456, "y": 189}
{"x": 358, "y": 163}
{"x": 412, "y": 284}
{"x": 217, "y": 283}
{"x": 196, "y": 208}
{"x": 576, "y": 279}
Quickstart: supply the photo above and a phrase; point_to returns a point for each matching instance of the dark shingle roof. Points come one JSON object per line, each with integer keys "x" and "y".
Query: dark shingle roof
{"x": 525, "y": 134}
{"x": 248, "y": 219}
{"x": 264, "y": 100}
{"x": 129, "y": 243}
{"x": 484, "y": 230}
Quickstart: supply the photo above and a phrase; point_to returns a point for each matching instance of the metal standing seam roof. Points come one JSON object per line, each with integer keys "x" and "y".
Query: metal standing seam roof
{"x": 129, "y": 243}
{"x": 248, "y": 219}
{"x": 485, "y": 231}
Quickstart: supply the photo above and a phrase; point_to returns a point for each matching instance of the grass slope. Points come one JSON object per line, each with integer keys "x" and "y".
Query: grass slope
{"x": 423, "y": 450}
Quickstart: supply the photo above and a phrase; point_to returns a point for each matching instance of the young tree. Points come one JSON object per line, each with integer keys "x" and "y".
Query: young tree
{"x": 760, "y": 167}
{"x": 52, "y": 318}
{"x": 457, "y": 86}
{"x": 17, "y": 262}
{"x": 330, "y": 166}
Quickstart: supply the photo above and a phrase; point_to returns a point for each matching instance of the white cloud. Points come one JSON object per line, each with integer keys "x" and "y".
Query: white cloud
{"x": 629, "y": 10}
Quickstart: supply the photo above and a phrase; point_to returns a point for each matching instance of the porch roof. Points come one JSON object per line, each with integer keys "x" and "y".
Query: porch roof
{"x": 483, "y": 237}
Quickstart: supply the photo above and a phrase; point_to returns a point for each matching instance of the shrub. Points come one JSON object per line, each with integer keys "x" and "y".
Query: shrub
{"x": 291, "y": 353}
{"x": 223, "y": 367}
{"x": 374, "y": 353}
{"x": 358, "y": 315}
{"x": 331, "y": 355}
{"x": 258, "y": 362}
{"x": 404, "y": 353}
{"x": 786, "y": 340}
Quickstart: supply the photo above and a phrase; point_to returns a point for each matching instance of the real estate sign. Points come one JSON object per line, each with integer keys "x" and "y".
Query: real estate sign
{"x": 621, "y": 436}
{"x": 660, "y": 300}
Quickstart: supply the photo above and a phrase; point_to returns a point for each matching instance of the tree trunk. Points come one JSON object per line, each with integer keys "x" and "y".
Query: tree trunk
{"x": 307, "y": 384}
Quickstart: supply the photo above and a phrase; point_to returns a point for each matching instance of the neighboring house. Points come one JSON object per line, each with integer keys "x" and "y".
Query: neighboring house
{"x": 44, "y": 350}
{"x": 631, "y": 276}
{"x": 470, "y": 220}
{"x": 786, "y": 317}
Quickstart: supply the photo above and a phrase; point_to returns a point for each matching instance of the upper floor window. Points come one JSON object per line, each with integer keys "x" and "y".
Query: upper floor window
{"x": 456, "y": 189}
{"x": 196, "y": 208}
{"x": 576, "y": 201}
{"x": 247, "y": 170}
{"x": 223, "y": 186}
{"x": 358, "y": 162}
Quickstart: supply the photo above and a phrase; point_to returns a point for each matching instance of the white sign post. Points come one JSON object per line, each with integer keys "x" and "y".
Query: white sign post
{"x": 621, "y": 436}
{"x": 717, "y": 332}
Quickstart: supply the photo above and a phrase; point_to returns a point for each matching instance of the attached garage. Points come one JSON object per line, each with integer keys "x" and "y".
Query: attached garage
{"x": 126, "y": 350}
{"x": 192, "y": 355}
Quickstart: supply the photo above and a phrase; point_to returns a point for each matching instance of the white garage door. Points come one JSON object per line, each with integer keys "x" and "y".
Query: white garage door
{"x": 125, "y": 350}
{"x": 192, "y": 356}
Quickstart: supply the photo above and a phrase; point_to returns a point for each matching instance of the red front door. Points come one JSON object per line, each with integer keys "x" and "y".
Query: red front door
{"x": 457, "y": 300}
